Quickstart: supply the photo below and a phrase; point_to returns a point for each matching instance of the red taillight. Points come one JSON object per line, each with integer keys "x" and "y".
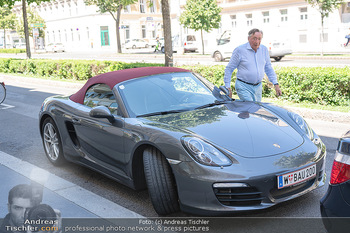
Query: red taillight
{"x": 340, "y": 169}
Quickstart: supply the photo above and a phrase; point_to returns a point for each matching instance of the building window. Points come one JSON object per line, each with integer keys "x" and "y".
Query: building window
{"x": 87, "y": 33}
{"x": 71, "y": 31}
{"x": 266, "y": 16}
{"x": 48, "y": 37}
{"x": 104, "y": 36}
{"x": 127, "y": 9}
{"x": 249, "y": 18}
{"x": 127, "y": 32}
{"x": 53, "y": 36}
{"x": 59, "y": 36}
{"x": 152, "y": 6}
{"x": 143, "y": 31}
{"x": 76, "y": 8}
{"x": 233, "y": 21}
{"x": 302, "y": 38}
{"x": 65, "y": 35}
{"x": 78, "y": 34}
{"x": 303, "y": 13}
{"x": 284, "y": 17}
{"x": 142, "y": 6}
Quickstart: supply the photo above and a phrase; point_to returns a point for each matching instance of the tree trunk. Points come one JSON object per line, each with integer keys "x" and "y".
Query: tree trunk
{"x": 322, "y": 34}
{"x": 26, "y": 33}
{"x": 119, "y": 44}
{"x": 5, "y": 38}
{"x": 167, "y": 33}
{"x": 202, "y": 42}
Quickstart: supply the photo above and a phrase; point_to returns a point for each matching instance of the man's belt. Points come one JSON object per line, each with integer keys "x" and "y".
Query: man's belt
{"x": 253, "y": 84}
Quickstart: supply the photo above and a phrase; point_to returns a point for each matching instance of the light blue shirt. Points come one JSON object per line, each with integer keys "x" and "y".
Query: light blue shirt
{"x": 251, "y": 66}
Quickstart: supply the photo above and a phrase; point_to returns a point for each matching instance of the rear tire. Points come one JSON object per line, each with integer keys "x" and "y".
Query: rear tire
{"x": 277, "y": 58}
{"x": 160, "y": 182}
{"x": 218, "y": 57}
{"x": 52, "y": 142}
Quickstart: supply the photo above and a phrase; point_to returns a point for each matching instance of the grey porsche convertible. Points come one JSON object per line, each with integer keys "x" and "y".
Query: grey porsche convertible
{"x": 195, "y": 149}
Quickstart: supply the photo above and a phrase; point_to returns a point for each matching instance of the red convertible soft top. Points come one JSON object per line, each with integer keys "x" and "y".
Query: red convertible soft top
{"x": 115, "y": 77}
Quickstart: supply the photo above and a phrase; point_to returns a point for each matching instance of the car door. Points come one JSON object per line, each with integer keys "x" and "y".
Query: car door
{"x": 100, "y": 140}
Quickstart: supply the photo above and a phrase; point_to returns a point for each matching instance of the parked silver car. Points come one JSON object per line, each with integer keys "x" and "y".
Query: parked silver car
{"x": 136, "y": 43}
{"x": 226, "y": 44}
{"x": 55, "y": 47}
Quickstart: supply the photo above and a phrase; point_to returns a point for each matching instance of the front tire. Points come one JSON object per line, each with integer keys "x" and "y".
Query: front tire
{"x": 52, "y": 142}
{"x": 160, "y": 182}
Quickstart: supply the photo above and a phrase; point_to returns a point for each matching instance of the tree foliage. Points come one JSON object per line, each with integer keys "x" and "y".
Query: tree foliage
{"x": 10, "y": 4}
{"x": 7, "y": 20}
{"x": 33, "y": 17}
{"x": 325, "y": 7}
{"x": 113, "y": 7}
{"x": 203, "y": 15}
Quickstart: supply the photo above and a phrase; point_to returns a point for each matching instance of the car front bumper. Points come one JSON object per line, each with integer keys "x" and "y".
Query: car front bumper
{"x": 219, "y": 191}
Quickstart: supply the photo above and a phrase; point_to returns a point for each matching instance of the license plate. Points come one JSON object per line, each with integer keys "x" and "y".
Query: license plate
{"x": 296, "y": 177}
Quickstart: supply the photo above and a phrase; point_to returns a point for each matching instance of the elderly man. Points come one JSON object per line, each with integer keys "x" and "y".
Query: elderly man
{"x": 252, "y": 61}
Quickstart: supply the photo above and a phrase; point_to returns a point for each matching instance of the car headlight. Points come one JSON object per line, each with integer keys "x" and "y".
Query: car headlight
{"x": 205, "y": 153}
{"x": 302, "y": 124}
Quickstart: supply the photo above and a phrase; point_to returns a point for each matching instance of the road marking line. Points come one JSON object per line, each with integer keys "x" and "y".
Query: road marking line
{"x": 6, "y": 106}
{"x": 70, "y": 191}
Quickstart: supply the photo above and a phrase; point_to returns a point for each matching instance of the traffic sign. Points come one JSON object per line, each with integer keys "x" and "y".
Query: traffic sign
{"x": 37, "y": 25}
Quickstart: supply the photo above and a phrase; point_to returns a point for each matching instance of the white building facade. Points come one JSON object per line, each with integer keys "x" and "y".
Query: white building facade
{"x": 82, "y": 28}
{"x": 292, "y": 20}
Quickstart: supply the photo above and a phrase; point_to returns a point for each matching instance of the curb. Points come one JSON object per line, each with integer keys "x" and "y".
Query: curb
{"x": 323, "y": 115}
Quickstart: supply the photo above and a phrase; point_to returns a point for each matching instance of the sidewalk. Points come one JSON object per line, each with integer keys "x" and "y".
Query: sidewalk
{"x": 70, "y": 199}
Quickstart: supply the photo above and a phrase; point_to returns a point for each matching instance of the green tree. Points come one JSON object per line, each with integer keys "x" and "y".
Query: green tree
{"x": 32, "y": 17}
{"x": 325, "y": 7}
{"x": 114, "y": 7}
{"x": 168, "y": 48}
{"x": 201, "y": 15}
{"x": 7, "y": 20}
{"x": 10, "y": 4}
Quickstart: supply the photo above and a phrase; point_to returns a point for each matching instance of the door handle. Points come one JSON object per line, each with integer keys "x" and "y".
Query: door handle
{"x": 76, "y": 121}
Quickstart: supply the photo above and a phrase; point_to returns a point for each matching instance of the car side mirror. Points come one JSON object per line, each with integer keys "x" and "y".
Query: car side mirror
{"x": 224, "y": 89}
{"x": 102, "y": 112}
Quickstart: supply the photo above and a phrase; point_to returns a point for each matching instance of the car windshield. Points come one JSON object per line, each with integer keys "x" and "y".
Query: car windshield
{"x": 167, "y": 93}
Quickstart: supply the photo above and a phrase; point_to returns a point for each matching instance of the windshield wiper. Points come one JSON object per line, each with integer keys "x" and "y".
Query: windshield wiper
{"x": 217, "y": 102}
{"x": 161, "y": 113}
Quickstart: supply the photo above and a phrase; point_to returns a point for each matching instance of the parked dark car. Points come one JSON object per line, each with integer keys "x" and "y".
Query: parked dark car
{"x": 195, "y": 149}
{"x": 336, "y": 202}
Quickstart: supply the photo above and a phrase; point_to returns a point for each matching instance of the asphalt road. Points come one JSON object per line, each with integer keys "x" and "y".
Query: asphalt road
{"x": 20, "y": 138}
{"x": 147, "y": 55}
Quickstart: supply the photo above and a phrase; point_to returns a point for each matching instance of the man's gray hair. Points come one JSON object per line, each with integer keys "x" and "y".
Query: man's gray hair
{"x": 253, "y": 31}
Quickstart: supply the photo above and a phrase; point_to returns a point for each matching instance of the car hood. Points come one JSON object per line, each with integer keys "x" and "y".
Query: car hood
{"x": 244, "y": 128}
